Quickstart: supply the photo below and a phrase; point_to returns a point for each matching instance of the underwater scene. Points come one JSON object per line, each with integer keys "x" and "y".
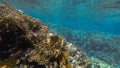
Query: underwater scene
{"x": 59, "y": 33}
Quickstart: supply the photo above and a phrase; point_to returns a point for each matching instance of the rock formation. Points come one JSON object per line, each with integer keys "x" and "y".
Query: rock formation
{"x": 26, "y": 43}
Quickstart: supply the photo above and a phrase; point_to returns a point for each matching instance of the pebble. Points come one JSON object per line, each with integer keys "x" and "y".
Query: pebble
{"x": 20, "y": 10}
{"x": 75, "y": 55}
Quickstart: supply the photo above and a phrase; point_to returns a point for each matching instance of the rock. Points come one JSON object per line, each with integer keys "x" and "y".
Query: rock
{"x": 26, "y": 43}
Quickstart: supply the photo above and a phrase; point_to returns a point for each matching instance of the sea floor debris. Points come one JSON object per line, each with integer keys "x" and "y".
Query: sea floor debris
{"x": 26, "y": 43}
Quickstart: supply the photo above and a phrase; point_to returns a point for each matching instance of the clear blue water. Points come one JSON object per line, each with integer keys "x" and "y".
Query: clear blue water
{"x": 100, "y": 15}
{"x": 93, "y": 25}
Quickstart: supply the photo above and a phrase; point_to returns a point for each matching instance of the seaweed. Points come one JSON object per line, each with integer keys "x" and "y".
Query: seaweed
{"x": 26, "y": 43}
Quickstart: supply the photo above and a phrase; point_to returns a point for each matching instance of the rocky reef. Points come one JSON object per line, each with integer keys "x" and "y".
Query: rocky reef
{"x": 101, "y": 48}
{"x": 26, "y": 43}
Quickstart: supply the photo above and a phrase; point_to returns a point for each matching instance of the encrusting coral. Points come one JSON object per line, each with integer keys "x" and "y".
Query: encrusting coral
{"x": 26, "y": 43}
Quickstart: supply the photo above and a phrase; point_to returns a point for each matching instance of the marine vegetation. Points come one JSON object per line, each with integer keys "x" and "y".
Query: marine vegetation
{"x": 26, "y": 43}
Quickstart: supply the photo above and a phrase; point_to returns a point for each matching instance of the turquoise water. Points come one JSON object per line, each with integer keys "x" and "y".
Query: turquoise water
{"x": 92, "y": 25}
{"x": 100, "y": 15}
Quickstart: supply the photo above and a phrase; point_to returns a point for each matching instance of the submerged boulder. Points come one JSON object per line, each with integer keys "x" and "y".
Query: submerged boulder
{"x": 26, "y": 43}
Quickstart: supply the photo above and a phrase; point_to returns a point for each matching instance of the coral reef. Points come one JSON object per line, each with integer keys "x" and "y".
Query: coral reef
{"x": 26, "y": 43}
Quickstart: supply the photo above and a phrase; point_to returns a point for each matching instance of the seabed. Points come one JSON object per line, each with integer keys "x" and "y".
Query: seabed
{"x": 26, "y": 43}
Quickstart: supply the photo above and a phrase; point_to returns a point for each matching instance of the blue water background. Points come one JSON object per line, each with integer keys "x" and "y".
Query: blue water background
{"x": 100, "y": 15}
